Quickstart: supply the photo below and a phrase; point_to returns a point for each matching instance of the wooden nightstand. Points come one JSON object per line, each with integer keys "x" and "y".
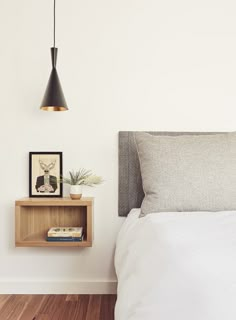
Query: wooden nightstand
{"x": 35, "y": 216}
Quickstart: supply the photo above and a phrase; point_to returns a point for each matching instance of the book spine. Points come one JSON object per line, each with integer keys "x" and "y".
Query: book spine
{"x": 66, "y": 239}
{"x": 66, "y": 235}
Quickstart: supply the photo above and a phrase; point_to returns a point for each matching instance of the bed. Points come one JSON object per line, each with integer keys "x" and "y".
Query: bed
{"x": 172, "y": 265}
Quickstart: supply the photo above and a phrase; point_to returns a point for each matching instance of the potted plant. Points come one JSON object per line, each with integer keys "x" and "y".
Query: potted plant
{"x": 78, "y": 179}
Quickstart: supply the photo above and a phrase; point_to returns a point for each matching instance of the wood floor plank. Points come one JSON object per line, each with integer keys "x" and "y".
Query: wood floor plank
{"x": 33, "y": 306}
{"x": 75, "y": 309}
{"x": 14, "y": 307}
{"x": 57, "y": 307}
{"x": 81, "y": 307}
{"x": 66, "y": 311}
{"x": 3, "y": 299}
{"x": 41, "y": 317}
{"x": 107, "y": 307}
{"x": 51, "y": 304}
{"x": 72, "y": 297}
{"x": 94, "y": 306}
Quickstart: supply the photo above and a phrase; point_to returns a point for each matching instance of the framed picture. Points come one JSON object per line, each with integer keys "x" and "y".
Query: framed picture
{"x": 45, "y": 171}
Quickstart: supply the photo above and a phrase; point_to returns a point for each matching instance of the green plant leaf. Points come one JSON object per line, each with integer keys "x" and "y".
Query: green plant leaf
{"x": 82, "y": 177}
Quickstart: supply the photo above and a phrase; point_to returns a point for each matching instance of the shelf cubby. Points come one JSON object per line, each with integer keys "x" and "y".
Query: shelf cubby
{"x": 35, "y": 216}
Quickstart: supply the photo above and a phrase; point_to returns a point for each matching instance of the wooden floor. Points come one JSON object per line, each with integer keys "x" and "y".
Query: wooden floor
{"x": 57, "y": 307}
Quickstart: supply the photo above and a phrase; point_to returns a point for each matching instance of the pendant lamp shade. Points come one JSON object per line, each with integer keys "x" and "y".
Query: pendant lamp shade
{"x": 54, "y": 99}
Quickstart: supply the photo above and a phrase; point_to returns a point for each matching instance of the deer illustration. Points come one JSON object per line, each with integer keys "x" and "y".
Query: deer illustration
{"x": 46, "y": 183}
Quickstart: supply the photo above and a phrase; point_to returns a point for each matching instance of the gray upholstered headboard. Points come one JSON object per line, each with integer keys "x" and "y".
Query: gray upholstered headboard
{"x": 130, "y": 182}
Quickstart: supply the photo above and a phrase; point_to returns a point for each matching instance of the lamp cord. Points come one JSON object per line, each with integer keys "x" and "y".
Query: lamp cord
{"x": 54, "y": 24}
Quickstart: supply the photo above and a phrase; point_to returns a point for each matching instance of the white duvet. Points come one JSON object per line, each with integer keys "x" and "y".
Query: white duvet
{"x": 177, "y": 266}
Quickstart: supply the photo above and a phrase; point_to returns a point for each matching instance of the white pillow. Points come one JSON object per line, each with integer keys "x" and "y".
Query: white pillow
{"x": 188, "y": 172}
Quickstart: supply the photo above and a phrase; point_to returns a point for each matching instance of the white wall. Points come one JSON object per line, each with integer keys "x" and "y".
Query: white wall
{"x": 124, "y": 65}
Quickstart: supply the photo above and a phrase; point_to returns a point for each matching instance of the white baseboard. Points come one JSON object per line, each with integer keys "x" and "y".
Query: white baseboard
{"x": 57, "y": 287}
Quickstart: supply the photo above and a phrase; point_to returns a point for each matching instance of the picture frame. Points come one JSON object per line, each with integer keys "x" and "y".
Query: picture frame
{"x": 45, "y": 172}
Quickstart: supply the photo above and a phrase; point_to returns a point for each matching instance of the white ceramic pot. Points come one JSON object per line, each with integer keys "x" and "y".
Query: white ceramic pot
{"x": 75, "y": 192}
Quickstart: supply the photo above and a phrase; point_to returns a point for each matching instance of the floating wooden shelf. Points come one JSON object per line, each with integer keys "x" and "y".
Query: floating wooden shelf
{"x": 35, "y": 216}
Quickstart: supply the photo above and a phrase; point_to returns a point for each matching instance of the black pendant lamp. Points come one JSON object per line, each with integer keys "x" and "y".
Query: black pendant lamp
{"x": 54, "y": 99}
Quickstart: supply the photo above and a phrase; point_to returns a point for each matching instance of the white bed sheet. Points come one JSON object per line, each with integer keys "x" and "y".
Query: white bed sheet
{"x": 177, "y": 266}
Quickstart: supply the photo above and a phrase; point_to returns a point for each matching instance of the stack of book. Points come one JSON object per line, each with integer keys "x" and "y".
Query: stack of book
{"x": 65, "y": 234}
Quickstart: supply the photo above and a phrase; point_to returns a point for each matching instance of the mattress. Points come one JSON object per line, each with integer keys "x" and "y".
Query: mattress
{"x": 178, "y": 265}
